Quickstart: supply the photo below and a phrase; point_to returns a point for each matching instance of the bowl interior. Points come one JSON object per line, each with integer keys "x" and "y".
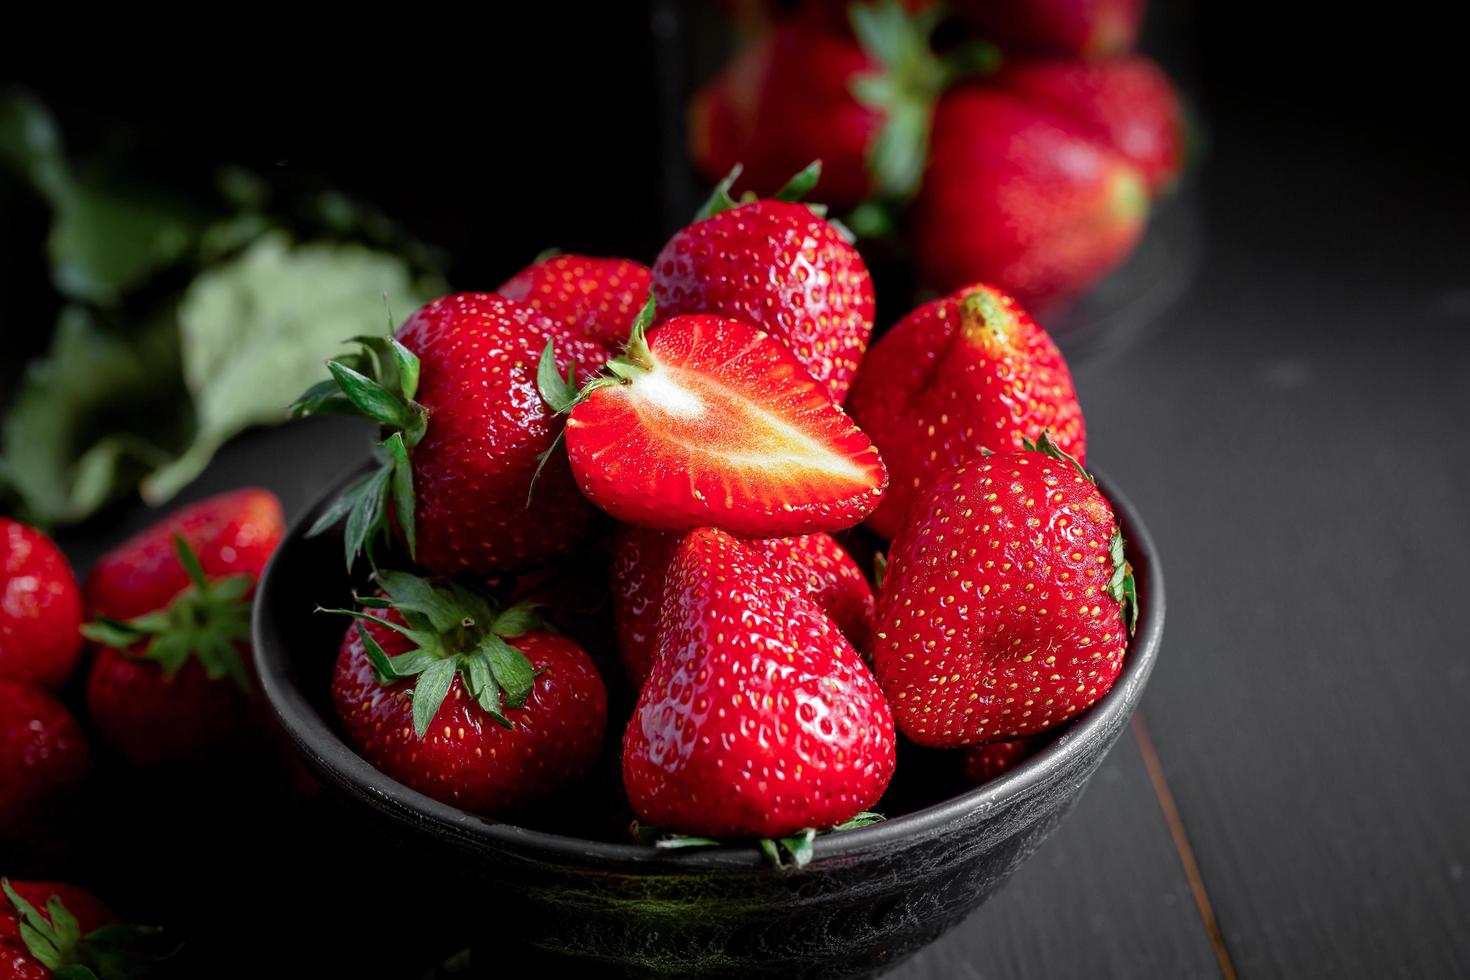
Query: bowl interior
{"x": 296, "y": 647}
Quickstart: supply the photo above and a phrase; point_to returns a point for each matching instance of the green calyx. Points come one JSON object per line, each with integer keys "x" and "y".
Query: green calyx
{"x": 454, "y": 630}
{"x": 377, "y": 382}
{"x": 798, "y": 187}
{"x": 1121, "y": 586}
{"x": 794, "y": 851}
{"x": 561, "y": 394}
{"x": 56, "y": 941}
{"x": 207, "y": 621}
{"x": 906, "y": 86}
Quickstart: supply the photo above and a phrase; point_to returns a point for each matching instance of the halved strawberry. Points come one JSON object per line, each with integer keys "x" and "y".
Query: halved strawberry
{"x": 707, "y": 422}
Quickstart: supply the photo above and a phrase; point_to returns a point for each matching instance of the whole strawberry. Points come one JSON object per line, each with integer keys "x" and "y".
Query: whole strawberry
{"x": 709, "y": 422}
{"x": 52, "y": 929}
{"x": 465, "y": 432}
{"x": 758, "y": 718}
{"x": 813, "y": 564}
{"x": 1017, "y": 196}
{"x": 1007, "y": 604}
{"x": 957, "y": 376}
{"x": 1090, "y": 29}
{"x": 171, "y": 624}
{"x": 44, "y": 757}
{"x": 1127, "y": 104}
{"x": 778, "y": 266}
{"x": 594, "y": 298}
{"x": 465, "y": 702}
{"x": 40, "y": 608}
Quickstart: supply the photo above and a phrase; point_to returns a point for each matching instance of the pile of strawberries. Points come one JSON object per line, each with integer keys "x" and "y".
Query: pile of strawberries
{"x": 1015, "y": 142}
{"x": 711, "y": 423}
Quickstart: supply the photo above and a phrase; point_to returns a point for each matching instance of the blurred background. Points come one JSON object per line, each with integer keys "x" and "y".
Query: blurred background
{"x": 1276, "y": 373}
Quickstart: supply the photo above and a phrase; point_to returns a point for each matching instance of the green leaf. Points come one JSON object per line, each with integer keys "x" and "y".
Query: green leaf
{"x": 371, "y": 398}
{"x": 101, "y": 409}
{"x": 771, "y": 851}
{"x": 429, "y": 693}
{"x": 384, "y": 667}
{"x": 41, "y": 938}
{"x": 367, "y": 516}
{"x": 413, "y": 594}
{"x": 512, "y": 671}
{"x": 801, "y": 183}
{"x": 880, "y": 568}
{"x": 413, "y": 662}
{"x": 1043, "y": 444}
{"x": 255, "y": 330}
{"x": 1122, "y": 586}
{"x": 864, "y": 819}
{"x": 190, "y": 561}
{"x": 518, "y": 619}
{"x": 559, "y": 393}
{"x": 402, "y": 489}
{"x": 30, "y": 145}
{"x": 799, "y": 846}
{"x": 720, "y": 199}
{"x": 112, "y": 632}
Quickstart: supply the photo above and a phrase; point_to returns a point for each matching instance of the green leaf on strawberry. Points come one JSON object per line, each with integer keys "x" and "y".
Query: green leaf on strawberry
{"x": 207, "y": 622}
{"x": 56, "y": 941}
{"x": 455, "y": 631}
{"x": 785, "y": 852}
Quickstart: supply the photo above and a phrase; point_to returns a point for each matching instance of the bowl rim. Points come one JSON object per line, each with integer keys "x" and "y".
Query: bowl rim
{"x": 314, "y": 735}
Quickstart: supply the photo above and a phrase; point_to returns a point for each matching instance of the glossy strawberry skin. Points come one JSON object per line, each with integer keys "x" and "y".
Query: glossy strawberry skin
{"x": 40, "y": 608}
{"x": 689, "y": 443}
{"x": 153, "y": 719}
{"x": 967, "y": 372}
{"x": 777, "y": 266}
{"x": 782, "y": 102}
{"x": 487, "y": 428}
{"x": 1127, "y": 104}
{"x": 758, "y": 719}
{"x": 16, "y": 961}
{"x": 1017, "y": 196}
{"x": 1090, "y": 29}
{"x": 994, "y": 621}
{"x": 813, "y": 564}
{"x": 595, "y": 298}
{"x": 44, "y": 757}
{"x": 466, "y": 758}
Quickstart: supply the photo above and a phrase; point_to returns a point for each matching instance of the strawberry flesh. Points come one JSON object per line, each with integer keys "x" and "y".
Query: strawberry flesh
{"x": 718, "y": 425}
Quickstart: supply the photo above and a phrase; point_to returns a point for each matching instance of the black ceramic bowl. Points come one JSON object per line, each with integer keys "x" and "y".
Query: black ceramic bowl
{"x": 868, "y": 898}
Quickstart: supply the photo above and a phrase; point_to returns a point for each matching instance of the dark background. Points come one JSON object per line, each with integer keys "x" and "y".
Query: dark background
{"x": 1294, "y": 801}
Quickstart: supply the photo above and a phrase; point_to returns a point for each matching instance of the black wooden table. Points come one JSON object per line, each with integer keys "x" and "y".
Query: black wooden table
{"x": 1294, "y": 799}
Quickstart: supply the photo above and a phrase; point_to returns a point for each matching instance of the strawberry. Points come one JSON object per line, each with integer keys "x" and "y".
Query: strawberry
{"x": 1091, "y": 29}
{"x": 40, "y": 608}
{"x": 985, "y": 762}
{"x": 592, "y": 297}
{"x": 474, "y": 705}
{"x": 1007, "y": 604}
{"x": 812, "y": 564}
{"x": 52, "y": 929}
{"x": 706, "y": 421}
{"x": 171, "y": 610}
{"x": 758, "y": 718}
{"x": 455, "y": 392}
{"x": 1016, "y": 196}
{"x": 778, "y": 266}
{"x": 959, "y": 375}
{"x": 1128, "y": 104}
{"x": 44, "y": 756}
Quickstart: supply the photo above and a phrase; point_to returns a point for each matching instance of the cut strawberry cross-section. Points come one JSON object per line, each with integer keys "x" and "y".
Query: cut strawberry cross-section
{"x": 708, "y": 422}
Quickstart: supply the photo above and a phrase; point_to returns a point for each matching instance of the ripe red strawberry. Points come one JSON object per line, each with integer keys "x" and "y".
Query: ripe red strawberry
{"x": 1016, "y": 196}
{"x": 43, "y": 755}
{"x": 473, "y": 705}
{"x": 455, "y": 392}
{"x": 709, "y": 422}
{"x": 592, "y": 297}
{"x": 959, "y": 375}
{"x": 1089, "y": 29}
{"x": 985, "y": 762}
{"x": 40, "y": 608}
{"x": 777, "y": 266}
{"x": 1127, "y": 104}
{"x": 1007, "y": 604}
{"x": 52, "y": 929}
{"x": 171, "y": 610}
{"x": 758, "y": 719}
{"x": 813, "y": 564}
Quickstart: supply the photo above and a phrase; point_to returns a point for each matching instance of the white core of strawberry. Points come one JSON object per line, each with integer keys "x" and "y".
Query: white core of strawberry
{"x": 658, "y": 389}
